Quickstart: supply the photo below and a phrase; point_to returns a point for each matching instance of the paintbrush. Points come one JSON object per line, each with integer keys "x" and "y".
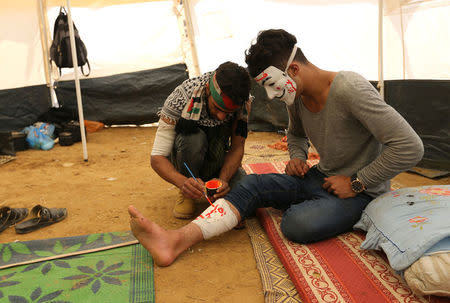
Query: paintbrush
{"x": 192, "y": 175}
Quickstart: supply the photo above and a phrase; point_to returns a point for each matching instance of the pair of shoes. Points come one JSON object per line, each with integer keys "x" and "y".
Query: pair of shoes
{"x": 184, "y": 207}
{"x": 42, "y": 217}
{"x": 10, "y": 216}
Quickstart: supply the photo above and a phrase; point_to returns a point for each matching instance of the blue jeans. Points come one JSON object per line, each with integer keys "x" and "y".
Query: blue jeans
{"x": 311, "y": 213}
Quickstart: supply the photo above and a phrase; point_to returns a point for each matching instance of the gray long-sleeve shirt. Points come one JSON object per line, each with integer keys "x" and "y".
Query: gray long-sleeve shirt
{"x": 356, "y": 132}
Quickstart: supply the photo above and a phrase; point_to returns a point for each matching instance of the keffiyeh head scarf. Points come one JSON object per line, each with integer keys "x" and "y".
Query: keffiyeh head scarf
{"x": 191, "y": 112}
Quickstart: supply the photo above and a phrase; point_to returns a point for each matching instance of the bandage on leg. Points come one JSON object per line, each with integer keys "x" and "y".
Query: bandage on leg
{"x": 216, "y": 219}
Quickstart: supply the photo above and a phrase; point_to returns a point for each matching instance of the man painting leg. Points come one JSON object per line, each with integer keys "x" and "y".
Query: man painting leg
{"x": 203, "y": 124}
{"x": 312, "y": 214}
{"x": 362, "y": 142}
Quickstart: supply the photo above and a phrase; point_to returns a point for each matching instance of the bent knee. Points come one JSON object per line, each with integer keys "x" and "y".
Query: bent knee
{"x": 309, "y": 228}
{"x": 248, "y": 182}
{"x": 299, "y": 231}
{"x": 194, "y": 143}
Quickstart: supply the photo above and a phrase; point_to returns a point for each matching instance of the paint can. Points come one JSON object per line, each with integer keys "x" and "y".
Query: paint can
{"x": 212, "y": 186}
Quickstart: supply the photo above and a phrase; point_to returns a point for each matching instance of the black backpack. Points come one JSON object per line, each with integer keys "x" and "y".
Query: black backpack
{"x": 60, "y": 51}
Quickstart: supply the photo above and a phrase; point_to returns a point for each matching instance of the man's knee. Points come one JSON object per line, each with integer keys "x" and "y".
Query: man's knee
{"x": 237, "y": 177}
{"x": 319, "y": 219}
{"x": 189, "y": 149}
{"x": 192, "y": 143}
{"x": 247, "y": 183}
{"x": 299, "y": 228}
{"x": 309, "y": 224}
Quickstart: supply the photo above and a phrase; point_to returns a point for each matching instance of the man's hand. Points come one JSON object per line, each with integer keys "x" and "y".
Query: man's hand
{"x": 296, "y": 167}
{"x": 339, "y": 186}
{"x": 193, "y": 189}
{"x": 221, "y": 191}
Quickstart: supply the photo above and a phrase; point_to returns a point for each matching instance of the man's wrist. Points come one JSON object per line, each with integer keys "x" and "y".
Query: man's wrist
{"x": 356, "y": 184}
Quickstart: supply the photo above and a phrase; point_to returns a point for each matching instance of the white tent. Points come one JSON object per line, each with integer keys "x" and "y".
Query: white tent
{"x": 409, "y": 41}
{"x": 112, "y": 47}
{"x": 127, "y": 35}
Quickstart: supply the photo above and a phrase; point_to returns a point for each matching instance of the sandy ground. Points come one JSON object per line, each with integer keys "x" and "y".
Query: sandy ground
{"x": 97, "y": 193}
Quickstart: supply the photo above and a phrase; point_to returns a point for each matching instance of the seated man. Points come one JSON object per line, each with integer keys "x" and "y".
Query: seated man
{"x": 362, "y": 143}
{"x": 196, "y": 123}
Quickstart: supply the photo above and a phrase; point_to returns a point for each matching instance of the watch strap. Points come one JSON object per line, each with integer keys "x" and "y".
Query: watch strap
{"x": 356, "y": 184}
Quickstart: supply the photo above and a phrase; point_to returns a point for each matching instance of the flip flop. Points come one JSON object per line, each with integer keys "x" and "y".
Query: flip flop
{"x": 43, "y": 216}
{"x": 10, "y": 216}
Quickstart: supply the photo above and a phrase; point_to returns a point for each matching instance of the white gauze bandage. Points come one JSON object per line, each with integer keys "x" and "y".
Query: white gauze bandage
{"x": 164, "y": 138}
{"x": 216, "y": 219}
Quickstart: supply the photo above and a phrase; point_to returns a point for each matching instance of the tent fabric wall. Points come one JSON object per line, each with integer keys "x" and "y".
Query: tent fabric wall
{"x": 334, "y": 35}
{"x": 118, "y": 38}
{"x": 425, "y": 105}
{"x": 126, "y": 38}
{"x": 20, "y": 107}
{"x": 416, "y": 44}
{"x": 130, "y": 98}
{"x": 21, "y": 61}
{"x": 96, "y": 3}
{"x": 112, "y": 36}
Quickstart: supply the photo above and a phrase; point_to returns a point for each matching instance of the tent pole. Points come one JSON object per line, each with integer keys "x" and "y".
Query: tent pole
{"x": 77, "y": 81}
{"x": 403, "y": 41}
{"x": 190, "y": 30}
{"x": 380, "y": 48}
{"x": 44, "y": 42}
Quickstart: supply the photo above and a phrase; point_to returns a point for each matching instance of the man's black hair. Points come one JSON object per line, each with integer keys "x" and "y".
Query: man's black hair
{"x": 234, "y": 81}
{"x": 272, "y": 47}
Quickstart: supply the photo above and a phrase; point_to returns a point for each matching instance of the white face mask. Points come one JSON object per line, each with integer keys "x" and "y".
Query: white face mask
{"x": 278, "y": 83}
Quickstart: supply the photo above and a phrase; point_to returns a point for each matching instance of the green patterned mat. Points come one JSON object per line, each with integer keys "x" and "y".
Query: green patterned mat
{"x": 93, "y": 268}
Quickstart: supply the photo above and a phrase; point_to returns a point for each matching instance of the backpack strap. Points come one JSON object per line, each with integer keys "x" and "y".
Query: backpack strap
{"x": 57, "y": 34}
{"x": 89, "y": 66}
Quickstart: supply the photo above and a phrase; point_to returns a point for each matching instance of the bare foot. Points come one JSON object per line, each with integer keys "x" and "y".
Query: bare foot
{"x": 161, "y": 243}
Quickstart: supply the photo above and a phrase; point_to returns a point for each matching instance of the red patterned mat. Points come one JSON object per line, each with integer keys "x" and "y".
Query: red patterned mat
{"x": 335, "y": 270}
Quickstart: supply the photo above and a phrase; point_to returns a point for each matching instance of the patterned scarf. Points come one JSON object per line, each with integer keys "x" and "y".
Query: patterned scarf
{"x": 193, "y": 108}
{"x": 192, "y": 111}
{"x": 188, "y": 101}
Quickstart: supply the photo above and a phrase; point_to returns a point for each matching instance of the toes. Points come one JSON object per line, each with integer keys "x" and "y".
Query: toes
{"x": 134, "y": 213}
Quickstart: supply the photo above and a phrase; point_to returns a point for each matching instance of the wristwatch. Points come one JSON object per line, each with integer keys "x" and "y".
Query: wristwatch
{"x": 356, "y": 184}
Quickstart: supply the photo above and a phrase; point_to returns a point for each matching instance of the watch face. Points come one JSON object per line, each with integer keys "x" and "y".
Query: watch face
{"x": 357, "y": 186}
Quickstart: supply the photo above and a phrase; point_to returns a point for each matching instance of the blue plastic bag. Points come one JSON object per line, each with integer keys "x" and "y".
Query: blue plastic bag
{"x": 39, "y": 135}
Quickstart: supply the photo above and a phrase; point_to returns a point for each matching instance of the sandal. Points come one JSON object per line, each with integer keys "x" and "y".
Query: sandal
{"x": 10, "y": 216}
{"x": 43, "y": 217}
